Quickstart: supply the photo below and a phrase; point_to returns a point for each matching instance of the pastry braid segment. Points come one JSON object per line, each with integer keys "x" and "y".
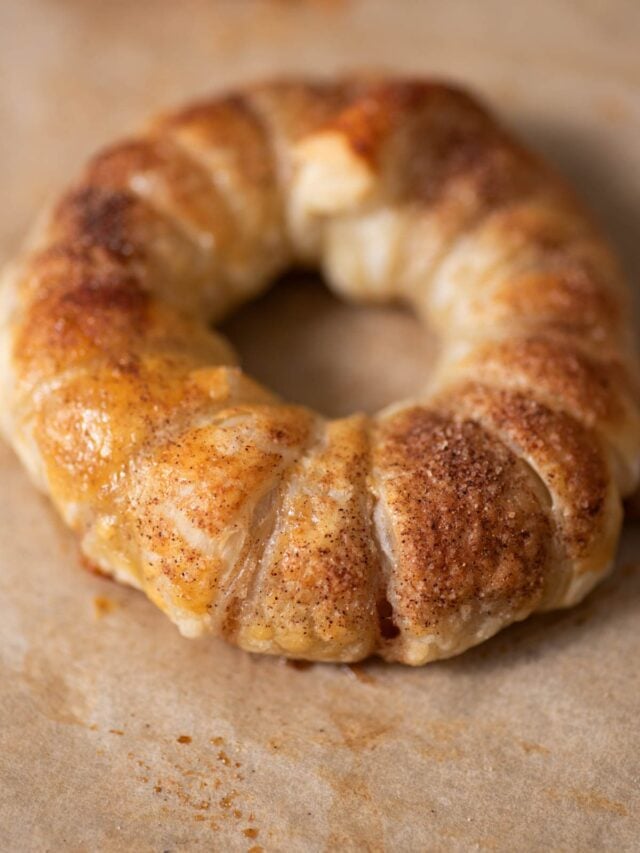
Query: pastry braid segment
{"x": 318, "y": 584}
{"x": 535, "y": 263}
{"x": 466, "y": 529}
{"x": 575, "y": 468}
{"x": 188, "y": 506}
{"x": 414, "y": 534}
{"x": 595, "y": 387}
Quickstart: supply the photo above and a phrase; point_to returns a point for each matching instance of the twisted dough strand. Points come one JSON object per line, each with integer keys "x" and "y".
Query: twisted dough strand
{"x": 414, "y": 534}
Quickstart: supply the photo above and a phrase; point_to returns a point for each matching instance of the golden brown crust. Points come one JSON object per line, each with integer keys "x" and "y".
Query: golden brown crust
{"x": 413, "y": 535}
{"x": 317, "y": 584}
{"x": 593, "y": 384}
{"x": 191, "y": 498}
{"x": 569, "y": 460}
{"x": 536, "y": 263}
{"x": 468, "y": 536}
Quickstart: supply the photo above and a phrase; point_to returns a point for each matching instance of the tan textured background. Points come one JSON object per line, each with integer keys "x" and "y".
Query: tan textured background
{"x": 115, "y": 733}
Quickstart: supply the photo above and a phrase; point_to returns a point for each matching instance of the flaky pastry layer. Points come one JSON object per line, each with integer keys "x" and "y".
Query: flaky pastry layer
{"x": 414, "y": 534}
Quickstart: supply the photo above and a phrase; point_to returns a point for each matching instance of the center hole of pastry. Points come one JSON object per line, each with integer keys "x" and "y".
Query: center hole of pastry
{"x": 338, "y": 358}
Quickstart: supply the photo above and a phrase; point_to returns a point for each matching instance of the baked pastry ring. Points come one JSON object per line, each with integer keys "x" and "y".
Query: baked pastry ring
{"x": 414, "y": 534}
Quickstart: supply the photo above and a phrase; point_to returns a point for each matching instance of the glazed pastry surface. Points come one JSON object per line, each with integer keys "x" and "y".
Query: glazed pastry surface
{"x": 414, "y": 534}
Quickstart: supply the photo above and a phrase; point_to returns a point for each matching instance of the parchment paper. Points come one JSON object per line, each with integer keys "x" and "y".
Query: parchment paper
{"x": 117, "y": 734}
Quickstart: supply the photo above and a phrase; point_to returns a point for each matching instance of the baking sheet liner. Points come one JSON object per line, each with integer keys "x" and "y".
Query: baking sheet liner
{"x": 118, "y": 734}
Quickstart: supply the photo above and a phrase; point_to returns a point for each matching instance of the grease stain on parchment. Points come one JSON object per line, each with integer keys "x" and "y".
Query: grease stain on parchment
{"x": 207, "y": 782}
{"x": 589, "y": 800}
{"x": 354, "y": 736}
{"x": 361, "y": 731}
{"x": 201, "y": 785}
{"x": 352, "y": 795}
{"x": 533, "y": 748}
{"x": 54, "y": 695}
{"x": 441, "y": 740}
{"x": 103, "y": 605}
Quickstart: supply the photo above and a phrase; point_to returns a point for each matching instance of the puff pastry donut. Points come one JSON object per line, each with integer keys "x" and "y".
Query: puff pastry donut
{"x": 413, "y": 534}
